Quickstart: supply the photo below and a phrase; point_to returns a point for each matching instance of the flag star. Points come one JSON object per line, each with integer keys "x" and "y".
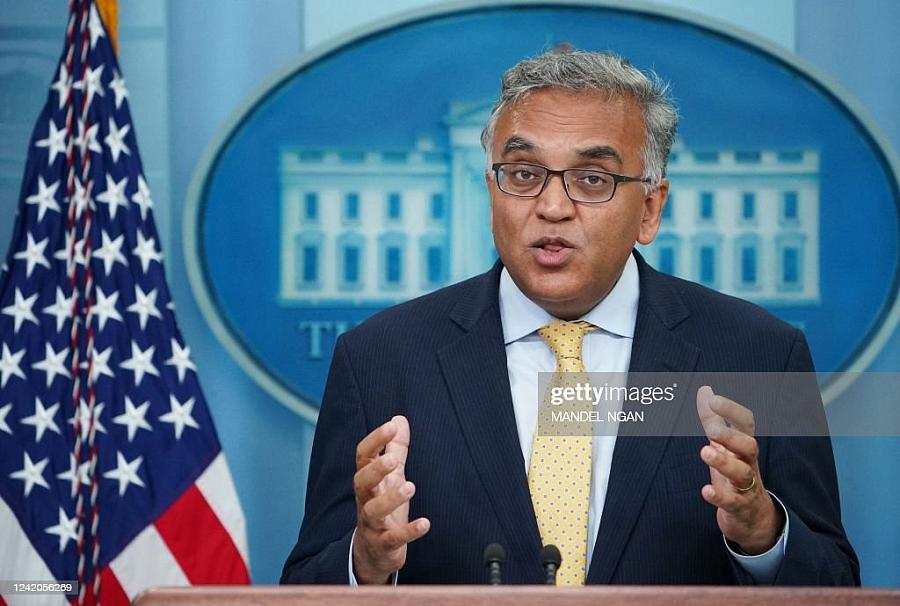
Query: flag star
{"x": 31, "y": 473}
{"x": 111, "y": 252}
{"x": 4, "y": 412}
{"x": 117, "y": 84}
{"x": 42, "y": 419}
{"x": 84, "y": 419}
{"x": 9, "y": 365}
{"x": 141, "y": 362}
{"x": 87, "y": 138}
{"x": 114, "y": 194}
{"x": 105, "y": 307}
{"x": 181, "y": 359}
{"x": 99, "y": 364}
{"x": 55, "y": 142}
{"x": 133, "y": 418}
{"x": 53, "y": 363}
{"x": 125, "y": 472}
{"x": 33, "y": 254}
{"x": 62, "y": 309}
{"x": 45, "y": 198}
{"x": 63, "y": 84}
{"x": 21, "y": 309}
{"x": 95, "y": 26}
{"x": 180, "y": 416}
{"x": 75, "y": 474}
{"x": 115, "y": 140}
{"x": 144, "y": 306}
{"x": 91, "y": 84}
{"x": 146, "y": 251}
{"x": 65, "y": 253}
{"x": 82, "y": 197}
{"x": 66, "y": 530}
{"x": 142, "y": 197}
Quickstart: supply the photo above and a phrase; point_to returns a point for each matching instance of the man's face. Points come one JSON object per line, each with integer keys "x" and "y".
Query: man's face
{"x": 566, "y": 256}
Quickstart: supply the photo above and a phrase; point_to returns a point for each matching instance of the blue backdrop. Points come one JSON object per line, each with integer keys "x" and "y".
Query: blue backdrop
{"x": 190, "y": 67}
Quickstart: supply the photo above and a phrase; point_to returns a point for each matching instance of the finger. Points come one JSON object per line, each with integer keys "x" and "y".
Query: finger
{"x": 372, "y": 445}
{"x": 738, "y": 416}
{"x": 712, "y": 422}
{"x": 739, "y": 444}
{"x": 724, "y": 498}
{"x": 378, "y": 508}
{"x": 704, "y": 411}
{"x": 732, "y": 429}
{"x": 367, "y": 479}
{"x": 399, "y": 444}
{"x": 396, "y": 538}
{"x": 716, "y": 478}
{"x": 733, "y": 469}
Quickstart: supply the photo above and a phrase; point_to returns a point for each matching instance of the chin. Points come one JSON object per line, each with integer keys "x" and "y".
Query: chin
{"x": 545, "y": 295}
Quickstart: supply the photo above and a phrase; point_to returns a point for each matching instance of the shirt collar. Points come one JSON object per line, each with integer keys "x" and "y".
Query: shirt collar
{"x": 615, "y": 314}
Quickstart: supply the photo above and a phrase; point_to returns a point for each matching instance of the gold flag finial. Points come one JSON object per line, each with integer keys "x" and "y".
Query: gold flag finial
{"x": 109, "y": 12}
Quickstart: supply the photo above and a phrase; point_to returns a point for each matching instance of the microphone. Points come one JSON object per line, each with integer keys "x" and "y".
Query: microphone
{"x": 550, "y": 560}
{"x": 494, "y": 558}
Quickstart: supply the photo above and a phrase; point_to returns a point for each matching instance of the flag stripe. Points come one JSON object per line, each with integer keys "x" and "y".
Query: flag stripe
{"x": 111, "y": 592}
{"x": 147, "y": 562}
{"x": 26, "y": 565}
{"x": 199, "y": 542}
{"x": 83, "y": 289}
{"x": 218, "y": 489}
{"x": 35, "y": 600}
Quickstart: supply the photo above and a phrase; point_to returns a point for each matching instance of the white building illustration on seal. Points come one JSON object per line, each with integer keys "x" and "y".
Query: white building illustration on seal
{"x": 373, "y": 227}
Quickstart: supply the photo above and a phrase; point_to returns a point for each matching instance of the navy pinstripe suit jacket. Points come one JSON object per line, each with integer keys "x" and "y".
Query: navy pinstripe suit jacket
{"x": 440, "y": 360}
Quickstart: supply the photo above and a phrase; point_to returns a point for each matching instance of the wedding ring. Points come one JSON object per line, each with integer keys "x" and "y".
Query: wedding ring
{"x": 751, "y": 487}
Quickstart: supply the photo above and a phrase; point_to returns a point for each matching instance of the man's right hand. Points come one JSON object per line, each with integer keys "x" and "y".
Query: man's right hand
{"x": 382, "y": 503}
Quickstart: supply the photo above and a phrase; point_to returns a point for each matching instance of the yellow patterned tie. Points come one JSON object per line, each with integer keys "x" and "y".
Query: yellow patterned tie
{"x": 559, "y": 474}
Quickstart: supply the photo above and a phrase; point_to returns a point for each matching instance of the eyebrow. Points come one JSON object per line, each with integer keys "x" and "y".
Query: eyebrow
{"x": 598, "y": 152}
{"x": 601, "y": 152}
{"x": 517, "y": 143}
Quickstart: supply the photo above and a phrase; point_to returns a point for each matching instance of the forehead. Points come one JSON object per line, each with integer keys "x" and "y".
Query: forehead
{"x": 558, "y": 120}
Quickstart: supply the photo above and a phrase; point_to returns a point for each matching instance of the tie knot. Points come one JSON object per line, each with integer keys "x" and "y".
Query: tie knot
{"x": 565, "y": 338}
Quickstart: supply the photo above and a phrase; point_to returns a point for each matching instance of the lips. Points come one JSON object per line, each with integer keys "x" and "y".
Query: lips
{"x": 551, "y": 251}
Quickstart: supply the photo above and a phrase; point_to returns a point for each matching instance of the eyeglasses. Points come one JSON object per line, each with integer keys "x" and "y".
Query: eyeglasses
{"x": 582, "y": 185}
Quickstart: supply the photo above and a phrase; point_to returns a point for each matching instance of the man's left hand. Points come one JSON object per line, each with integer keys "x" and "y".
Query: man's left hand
{"x": 746, "y": 512}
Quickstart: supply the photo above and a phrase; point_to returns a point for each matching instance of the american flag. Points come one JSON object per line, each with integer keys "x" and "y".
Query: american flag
{"x": 111, "y": 473}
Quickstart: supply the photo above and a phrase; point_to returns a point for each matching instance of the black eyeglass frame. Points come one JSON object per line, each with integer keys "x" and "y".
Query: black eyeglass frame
{"x": 617, "y": 178}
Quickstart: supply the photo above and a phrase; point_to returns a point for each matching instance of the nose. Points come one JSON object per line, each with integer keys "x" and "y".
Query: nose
{"x": 554, "y": 204}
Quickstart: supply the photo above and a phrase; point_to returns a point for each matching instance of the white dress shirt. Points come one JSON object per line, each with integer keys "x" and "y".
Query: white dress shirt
{"x": 607, "y": 349}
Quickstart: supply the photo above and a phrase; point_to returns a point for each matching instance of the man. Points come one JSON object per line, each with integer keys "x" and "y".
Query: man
{"x": 426, "y": 448}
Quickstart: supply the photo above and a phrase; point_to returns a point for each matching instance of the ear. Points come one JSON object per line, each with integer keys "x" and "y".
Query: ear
{"x": 654, "y": 202}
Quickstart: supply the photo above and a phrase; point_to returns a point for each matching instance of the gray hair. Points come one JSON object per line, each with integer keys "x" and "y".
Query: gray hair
{"x": 581, "y": 71}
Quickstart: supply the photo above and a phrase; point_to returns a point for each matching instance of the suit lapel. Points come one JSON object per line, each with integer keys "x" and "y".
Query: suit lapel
{"x": 475, "y": 371}
{"x": 656, "y": 348}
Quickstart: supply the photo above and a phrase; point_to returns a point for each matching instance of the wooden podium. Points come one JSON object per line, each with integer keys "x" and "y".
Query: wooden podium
{"x": 516, "y": 595}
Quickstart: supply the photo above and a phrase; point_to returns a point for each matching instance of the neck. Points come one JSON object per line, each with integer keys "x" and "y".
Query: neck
{"x": 569, "y": 310}
{"x": 574, "y": 309}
